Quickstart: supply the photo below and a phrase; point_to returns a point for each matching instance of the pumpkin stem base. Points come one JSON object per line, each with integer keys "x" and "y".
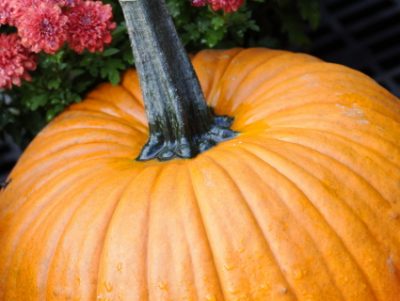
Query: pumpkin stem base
{"x": 158, "y": 148}
{"x": 181, "y": 125}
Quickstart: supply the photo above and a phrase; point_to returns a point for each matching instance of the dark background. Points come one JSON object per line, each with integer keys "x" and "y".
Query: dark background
{"x": 362, "y": 34}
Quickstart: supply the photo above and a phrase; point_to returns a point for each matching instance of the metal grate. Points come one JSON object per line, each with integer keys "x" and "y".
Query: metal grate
{"x": 364, "y": 35}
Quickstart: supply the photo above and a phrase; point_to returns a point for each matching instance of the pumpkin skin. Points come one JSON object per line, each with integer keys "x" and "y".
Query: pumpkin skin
{"x": 303, "y": 204}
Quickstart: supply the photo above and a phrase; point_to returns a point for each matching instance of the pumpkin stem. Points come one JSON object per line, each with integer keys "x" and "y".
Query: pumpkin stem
{"x": 180, "y": 122}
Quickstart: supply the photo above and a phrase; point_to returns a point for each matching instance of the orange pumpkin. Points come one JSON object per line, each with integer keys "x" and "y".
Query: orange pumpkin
{"x": 303, "y": 204}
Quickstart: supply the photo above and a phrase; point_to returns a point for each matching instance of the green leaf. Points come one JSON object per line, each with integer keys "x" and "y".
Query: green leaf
{"x": 114, "y": 76}
{"x": 310, "y": 11}
{"x": 110, "y": 52}
{"x": 217, "y": 22}
{"x": 37, "y": 101}
{"x": 54, "y": 83}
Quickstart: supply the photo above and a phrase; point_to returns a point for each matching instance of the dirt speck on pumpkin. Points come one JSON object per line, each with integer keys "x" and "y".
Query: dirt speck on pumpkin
{"x": 394, "y": 215}
{"x": 353, "y": 111}
{"x": 108, "y": 286}
{"x": 363, "y": 121}
{"x": 163, "y": 286}
{"x": 390, "y": 265}
{"x": 211, "y": 298}
{"x": 229, "y": 267}
{"x": 283, "y": 290}
{"x": 299, "y": 273}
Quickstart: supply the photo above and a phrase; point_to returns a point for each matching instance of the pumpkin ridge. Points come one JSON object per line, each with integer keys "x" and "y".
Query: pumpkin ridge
{"x": 130, "y": 133}
{"x": 36, "y": 166}
{"x": 370, "y": 91}
{"x": 88, "y": 108}
{"x": 388, "y": 168}
{"x": 118, "y": 98}
{"x": 257, "y": 223}
{"x": 295, "y": 110}
{"x": 50, "y": 290}
{"x": 151, "y": 237}
{"x": 155, "y": 182}
{"x": 373, "y": 245}
{"x": 40, "y": 179}
{"x": 393, "y": 160}
{"x": 122, "y": 116}
{"x": 307, "y": 231}
{"x": 177, "y": 219}
{"x": 104, "y": 90}
{"x": 384, "y": 203}
{"x": 219, "y": 70}
{"x": 78, "y": 117}
{"x": 266, "y": 101}
{"x": 206, "y": 236}
{"x": 225, "y": 84}
{"x": 259, "y": 145}
{"x": 328, "y": 231}
{"x": 114, "y": 137}
{"x": 99, "y": 107}
{"x": 186, "y": 234}
{"x": 194, "y": 227}
{"x": 107, "y": 277}
{"x": 280, "y": 81}
{"x": 345, "y": 140}
{"x": 331, "y": 228}
{"x": 238, "y": 99}
{"x": 269, "y": 134}
{"x": 266, "y": 55}
{"x": 64, "y": 173}
{"x": 330, "y": 123}
{"x": 90, "y": 125}
{"x": 30, "y": 217}
{"x": 380, "y": 221}
{"x": 92, "y": 130}
{"x": 365, "y": 85}
{"x": 130, "y": 82}
{"x": 119, "y": 191}
{"x": 278, "y": 85}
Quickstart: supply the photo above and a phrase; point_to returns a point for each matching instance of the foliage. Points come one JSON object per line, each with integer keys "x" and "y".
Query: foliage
{"x": 64, "y": 78}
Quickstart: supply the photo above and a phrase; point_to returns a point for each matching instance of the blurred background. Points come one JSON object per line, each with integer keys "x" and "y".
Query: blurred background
{"x": 362, "y": 34}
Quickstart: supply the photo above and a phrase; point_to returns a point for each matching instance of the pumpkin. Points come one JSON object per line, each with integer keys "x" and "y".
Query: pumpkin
{"x": 303, "y": 204}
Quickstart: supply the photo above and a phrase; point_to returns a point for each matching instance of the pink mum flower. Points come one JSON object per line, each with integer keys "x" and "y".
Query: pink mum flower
{"x": 63, "y": 3}
{"x": 6, "y": 12}
{"x": 89, "y": 26}
{"x": 15, "y": 61}
{"x": 42, "y": 27}
{"x": 199, "y": 2}
{"x": 225, "y": 5}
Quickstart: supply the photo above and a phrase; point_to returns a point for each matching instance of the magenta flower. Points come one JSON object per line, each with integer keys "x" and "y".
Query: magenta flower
{"x": 89, "y": 25}
{"x": 42, "y": 27}
{"x": 63, "y": 3}
{"x": 6, "y": 12}
{"x": 15, "y": 61}
{"x": 199, "y": 2}
{"x": 225, "y": 5}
